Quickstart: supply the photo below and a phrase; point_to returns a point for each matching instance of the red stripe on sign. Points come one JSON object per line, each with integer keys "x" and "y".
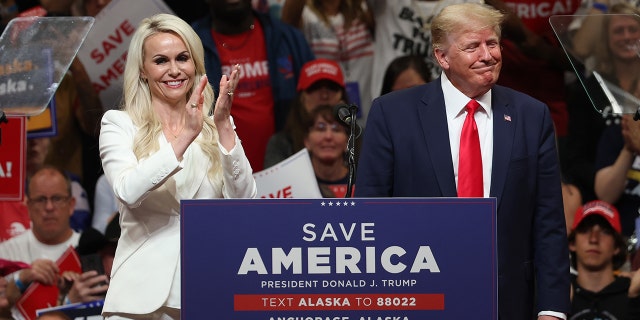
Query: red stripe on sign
{"x": 290, "y": 302}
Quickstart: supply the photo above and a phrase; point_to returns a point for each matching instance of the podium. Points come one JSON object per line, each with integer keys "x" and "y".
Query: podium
{"x": 358, "y": 258}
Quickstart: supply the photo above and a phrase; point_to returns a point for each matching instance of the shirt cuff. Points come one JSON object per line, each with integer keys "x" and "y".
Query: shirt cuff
{"x": 228, "y": 152}
{"x": 558, "y": 315}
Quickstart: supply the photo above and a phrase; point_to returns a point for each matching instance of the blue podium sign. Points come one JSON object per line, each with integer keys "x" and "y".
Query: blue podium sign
{"x": 346, "y": 259}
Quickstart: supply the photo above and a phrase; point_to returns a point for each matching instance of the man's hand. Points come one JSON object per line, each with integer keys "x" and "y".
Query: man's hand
{"x": 42, "y": 270}
{"x": 89, "y": 286}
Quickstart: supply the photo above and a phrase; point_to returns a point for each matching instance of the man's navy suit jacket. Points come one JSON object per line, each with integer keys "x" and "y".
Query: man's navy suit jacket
{"x": 406, "y": 153}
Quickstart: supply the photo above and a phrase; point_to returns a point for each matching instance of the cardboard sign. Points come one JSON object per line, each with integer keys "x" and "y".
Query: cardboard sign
{"x": 13, "y": 151}
{"x": 39, "y": 296}
{"x": 291, "y": 178}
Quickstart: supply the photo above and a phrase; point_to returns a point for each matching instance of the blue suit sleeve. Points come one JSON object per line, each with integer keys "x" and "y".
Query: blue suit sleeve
{"x": 375, "y": 174}
{"x": 551, "y": 250}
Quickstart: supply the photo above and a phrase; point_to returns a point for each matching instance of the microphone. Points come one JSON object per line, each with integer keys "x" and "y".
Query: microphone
{"x": 342, "y": 112}
{"x": 346, "y": 115}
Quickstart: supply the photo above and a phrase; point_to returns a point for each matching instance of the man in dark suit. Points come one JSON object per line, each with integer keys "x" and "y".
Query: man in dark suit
{"x": 410, "y": 149}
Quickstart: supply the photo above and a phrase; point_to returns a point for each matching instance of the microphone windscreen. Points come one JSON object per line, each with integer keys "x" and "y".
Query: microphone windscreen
{"x": 342, "y": 113}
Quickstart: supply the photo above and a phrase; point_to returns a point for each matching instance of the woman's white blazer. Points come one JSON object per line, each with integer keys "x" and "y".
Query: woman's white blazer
{"x": 147, "y": 260}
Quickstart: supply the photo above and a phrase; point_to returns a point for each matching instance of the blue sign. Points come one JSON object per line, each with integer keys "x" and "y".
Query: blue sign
{"x": 77, "y": 311}
{"x": 319, "y": 259}
{"x": 26, "y": 80}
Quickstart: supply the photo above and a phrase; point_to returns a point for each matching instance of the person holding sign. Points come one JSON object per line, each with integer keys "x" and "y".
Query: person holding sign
{"x": 160, "y": 148}
{"x": 51, "y": 205}
{"x": 413, "y": 147}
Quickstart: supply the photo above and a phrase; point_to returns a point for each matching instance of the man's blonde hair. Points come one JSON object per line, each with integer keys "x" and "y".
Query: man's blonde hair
{"x": 462, "y": 17}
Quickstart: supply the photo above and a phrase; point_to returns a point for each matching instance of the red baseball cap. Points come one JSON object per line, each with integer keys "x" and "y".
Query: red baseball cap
{"x": 601, "y": 208}
{"x": 320, "y": 69}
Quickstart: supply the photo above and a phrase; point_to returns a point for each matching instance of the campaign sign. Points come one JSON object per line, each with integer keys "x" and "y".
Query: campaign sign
{"x": 347, "y": 259}
{"x": 13, "y": 150}
{"x": 27, "y": 80}
{"x": 77, "y": 311}
{"x": 291, "y": 178}
{"x": 44, "y": 124}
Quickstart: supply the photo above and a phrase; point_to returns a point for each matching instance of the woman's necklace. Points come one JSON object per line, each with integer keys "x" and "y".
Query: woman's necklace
{"x": 247, "y": 35}
{"x": 174, "y": 134}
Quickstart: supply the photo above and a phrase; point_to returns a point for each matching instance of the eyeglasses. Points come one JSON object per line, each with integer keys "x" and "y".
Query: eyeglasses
{"x": 56, "y": 200}
{"x": 323, "y": 126}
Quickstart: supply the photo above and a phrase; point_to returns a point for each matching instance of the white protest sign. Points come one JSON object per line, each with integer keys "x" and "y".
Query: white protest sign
{"x": 291, "y": 178}
{"x": 104, "y": 51}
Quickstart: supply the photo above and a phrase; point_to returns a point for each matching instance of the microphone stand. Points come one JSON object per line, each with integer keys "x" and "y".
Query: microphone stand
{"x": 351, "y": 150}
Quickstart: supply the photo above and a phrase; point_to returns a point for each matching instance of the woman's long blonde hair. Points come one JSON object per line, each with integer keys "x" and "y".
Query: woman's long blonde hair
{"x": 602, "y": 52}
{"x": 137, "y": 96}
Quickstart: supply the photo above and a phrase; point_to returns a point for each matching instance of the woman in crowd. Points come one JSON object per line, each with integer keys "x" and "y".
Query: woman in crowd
{"x": 617, "y": 166}
{"x": 405, "y": 72}
{"x": 326, "y": 141}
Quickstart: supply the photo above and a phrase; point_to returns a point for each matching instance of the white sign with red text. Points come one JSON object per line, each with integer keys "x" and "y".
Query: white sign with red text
{"x": 104, "y": 51}
{"x": 291, "y": 178}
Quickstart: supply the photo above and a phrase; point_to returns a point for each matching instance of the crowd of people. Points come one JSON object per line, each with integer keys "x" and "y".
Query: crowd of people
{"x": 456, "y": 98}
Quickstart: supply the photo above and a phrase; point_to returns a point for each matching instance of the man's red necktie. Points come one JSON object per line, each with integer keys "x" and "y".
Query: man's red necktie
{"x": 470, "y": 159}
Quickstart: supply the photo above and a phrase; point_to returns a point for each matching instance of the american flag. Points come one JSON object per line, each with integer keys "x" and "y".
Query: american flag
{"x": 507, "y": 118}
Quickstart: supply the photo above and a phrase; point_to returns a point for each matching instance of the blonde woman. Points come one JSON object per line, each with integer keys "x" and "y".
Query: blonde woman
{"x": 160, "y": 148}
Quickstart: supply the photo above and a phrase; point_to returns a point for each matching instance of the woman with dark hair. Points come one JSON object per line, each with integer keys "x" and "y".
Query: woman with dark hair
{"x": 326, "y": 140}
{"x": 405, "y": 72}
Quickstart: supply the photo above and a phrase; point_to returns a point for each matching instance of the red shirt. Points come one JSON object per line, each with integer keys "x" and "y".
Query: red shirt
{"x": 340, "y": 190}
{"x": 253, "y": 106}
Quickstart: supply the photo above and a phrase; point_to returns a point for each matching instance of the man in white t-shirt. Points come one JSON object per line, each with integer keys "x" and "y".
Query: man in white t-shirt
{"x": 50, "y": 204}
